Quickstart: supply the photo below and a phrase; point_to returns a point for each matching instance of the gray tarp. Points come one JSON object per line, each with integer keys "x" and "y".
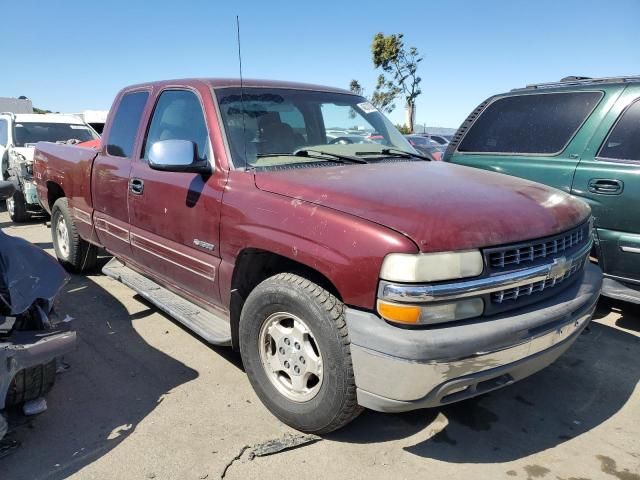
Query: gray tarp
{"x": 27, "y": 274}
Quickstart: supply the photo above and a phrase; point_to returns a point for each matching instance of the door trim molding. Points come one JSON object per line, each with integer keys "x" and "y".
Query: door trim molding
{"x": 138, "y": 241}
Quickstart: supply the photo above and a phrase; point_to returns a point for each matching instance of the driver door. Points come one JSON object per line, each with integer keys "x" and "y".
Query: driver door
{"x": 175, "y": 216}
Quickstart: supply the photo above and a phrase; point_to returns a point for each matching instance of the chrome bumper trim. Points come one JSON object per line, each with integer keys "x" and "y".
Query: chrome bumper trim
{"x": 404, "y": 293}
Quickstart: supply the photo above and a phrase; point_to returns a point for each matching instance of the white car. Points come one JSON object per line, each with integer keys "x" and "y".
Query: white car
{"x": 18, "y": 135}
{"x": 95, "y": 118}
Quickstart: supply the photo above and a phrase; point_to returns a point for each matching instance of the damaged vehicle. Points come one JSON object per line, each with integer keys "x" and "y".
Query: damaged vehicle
{"x": 18, "y": 135}
{"x": 32, "y": 336}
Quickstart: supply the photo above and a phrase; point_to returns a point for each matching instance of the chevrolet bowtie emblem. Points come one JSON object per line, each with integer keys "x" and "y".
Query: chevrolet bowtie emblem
{"x": 559, "y": 268}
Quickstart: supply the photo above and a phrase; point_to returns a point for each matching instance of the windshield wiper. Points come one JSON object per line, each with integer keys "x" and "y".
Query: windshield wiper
{"x": 396, "y": 152}
{"x": 309, "y": 153}
{"x": 305, "y": 152}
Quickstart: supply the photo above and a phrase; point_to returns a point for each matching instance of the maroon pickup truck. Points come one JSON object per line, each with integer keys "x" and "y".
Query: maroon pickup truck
{"x": 348, "y": 273}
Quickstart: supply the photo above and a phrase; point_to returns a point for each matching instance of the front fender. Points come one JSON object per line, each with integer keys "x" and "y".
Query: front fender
{"x": 347, "y": 250}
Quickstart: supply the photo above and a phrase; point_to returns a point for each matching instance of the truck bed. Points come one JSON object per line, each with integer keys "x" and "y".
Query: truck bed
{"x": 67, "y": 167}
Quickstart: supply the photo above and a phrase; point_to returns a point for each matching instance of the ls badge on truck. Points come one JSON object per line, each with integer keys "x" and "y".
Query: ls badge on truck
{"x": 202, "y": 244}
{"x": 559, "y": 268}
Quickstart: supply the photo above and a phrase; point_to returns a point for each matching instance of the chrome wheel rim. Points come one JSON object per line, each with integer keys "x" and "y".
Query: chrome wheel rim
{"x": 290, "y": 356}
{"x": 11, "y": 206}
{"x": 62, "y": 235}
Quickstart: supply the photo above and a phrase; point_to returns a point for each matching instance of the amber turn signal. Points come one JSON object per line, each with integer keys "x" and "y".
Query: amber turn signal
{"x": 393, "y": 312}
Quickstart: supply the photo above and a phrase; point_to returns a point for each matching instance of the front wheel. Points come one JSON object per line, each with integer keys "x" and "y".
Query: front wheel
{"x": 74, "y": 253}
{"x": 296, "y": 351}
{"x": 17, "y": 208}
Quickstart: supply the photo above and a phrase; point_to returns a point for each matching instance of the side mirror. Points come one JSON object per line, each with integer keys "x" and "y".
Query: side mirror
{"x": 177, "y": 156}
{"x": 6, "y": 190}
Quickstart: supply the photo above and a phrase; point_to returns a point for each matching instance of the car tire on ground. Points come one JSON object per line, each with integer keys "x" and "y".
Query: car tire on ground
{"x": 74, "y": 253}
{"x": 17, "y": 208}
{"x": 296, "y": 351}
{"x": 31, "y": 383}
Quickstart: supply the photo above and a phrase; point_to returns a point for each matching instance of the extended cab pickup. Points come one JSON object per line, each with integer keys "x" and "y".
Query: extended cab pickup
{"x": 349, "y": 274}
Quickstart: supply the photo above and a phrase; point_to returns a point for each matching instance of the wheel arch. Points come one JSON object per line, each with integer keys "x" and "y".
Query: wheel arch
{"x": 253, "y": 266}
{"x": 54, "y": 193}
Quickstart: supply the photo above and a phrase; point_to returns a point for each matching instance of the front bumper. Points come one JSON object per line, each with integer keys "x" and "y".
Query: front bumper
{"x": 28, "y": 349}
{"x": 405, "y": 369}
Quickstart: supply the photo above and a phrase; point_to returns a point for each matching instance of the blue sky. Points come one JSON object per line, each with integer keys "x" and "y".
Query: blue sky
{"x": 75, "y": 55}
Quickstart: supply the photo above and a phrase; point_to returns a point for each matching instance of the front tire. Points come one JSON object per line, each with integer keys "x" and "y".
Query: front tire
{"x": 75, "y": 254}
{"x": 296, "y": 351}
{"x": 17, "y": 208}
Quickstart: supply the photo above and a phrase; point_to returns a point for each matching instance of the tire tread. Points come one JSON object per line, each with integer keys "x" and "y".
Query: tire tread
{"x": 83, "y": 256}
{"x": 336, "y": 310}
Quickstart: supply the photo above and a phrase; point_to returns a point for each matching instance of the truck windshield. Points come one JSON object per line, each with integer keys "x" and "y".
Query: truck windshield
{"x": 26, "y": 133}
{"x": 265, "y": 127}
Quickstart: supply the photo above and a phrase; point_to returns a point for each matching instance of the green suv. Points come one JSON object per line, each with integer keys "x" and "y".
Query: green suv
{"x": 580, "y": 135}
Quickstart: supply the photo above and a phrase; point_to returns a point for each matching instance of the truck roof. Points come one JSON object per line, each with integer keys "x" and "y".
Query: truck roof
{"x": 246, "y": 82}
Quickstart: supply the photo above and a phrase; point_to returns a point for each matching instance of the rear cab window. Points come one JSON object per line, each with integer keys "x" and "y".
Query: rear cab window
{"x": 623, "y": 141}
{"x": 126, "y": 122}
{"x": 539, "y": 124}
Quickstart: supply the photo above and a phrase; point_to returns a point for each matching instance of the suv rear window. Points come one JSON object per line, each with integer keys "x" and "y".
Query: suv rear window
{"x": 530, "y": 124}
{"x": 623, "y": 142}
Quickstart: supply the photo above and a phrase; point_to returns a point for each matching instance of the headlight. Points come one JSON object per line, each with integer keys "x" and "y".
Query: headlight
{"x": 431, "y": 267}
{"x": 429, "y": 314}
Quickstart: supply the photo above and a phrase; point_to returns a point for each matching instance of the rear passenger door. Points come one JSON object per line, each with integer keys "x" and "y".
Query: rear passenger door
{"x": 110, "y": 177}
{"x": 175, "y": 216}
{"x": 608, "y": 177}
{"x": 532, "y": 135}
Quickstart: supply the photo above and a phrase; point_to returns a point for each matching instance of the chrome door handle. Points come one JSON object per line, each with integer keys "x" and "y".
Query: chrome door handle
{"x": 136, "y": 186}
{"x": 606, "y": 186}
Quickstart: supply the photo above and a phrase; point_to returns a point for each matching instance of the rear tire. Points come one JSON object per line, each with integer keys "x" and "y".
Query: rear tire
{"x": 296, "y": 351}
{"x": 17, "y": 208}
{"x": 74, "y": 253}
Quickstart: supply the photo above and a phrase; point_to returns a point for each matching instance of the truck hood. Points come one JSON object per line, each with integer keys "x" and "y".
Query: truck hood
{"x": 440, "y": 206}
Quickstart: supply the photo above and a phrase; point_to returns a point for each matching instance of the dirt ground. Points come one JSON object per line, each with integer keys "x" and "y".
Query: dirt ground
{"x": 142, "y": 398}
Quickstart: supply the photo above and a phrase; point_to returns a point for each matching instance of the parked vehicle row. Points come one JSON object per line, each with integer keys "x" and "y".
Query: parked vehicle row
{"x": 347, "y": 274}
{"x": 581, "y": 136}
{"x": 426, "y": 146}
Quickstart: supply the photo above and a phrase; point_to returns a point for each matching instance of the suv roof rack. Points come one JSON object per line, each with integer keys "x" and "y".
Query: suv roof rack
{"x": 576, "y": 80}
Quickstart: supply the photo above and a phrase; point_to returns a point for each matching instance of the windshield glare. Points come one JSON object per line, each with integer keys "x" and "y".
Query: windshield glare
{"x": 265, "y": 122}
{"x": 26, "y": 133}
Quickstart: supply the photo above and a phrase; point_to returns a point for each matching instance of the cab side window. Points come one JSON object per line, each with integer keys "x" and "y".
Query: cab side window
{"x": 623, "y": 142}
{"x": 125, "y": 125}
{"x": 178, "y": 115}
{"x": 4, "y": 132}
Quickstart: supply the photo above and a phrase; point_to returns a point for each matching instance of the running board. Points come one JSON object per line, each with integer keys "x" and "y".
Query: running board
{"x": 212, "y": 328}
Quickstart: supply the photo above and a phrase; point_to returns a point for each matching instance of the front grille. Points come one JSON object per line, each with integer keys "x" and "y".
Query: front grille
{"x": 513, "y": 294}
{"x": 514, "y": 256}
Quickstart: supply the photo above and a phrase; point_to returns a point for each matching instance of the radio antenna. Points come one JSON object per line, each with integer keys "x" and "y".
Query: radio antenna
{"x": 243, "y": 113}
